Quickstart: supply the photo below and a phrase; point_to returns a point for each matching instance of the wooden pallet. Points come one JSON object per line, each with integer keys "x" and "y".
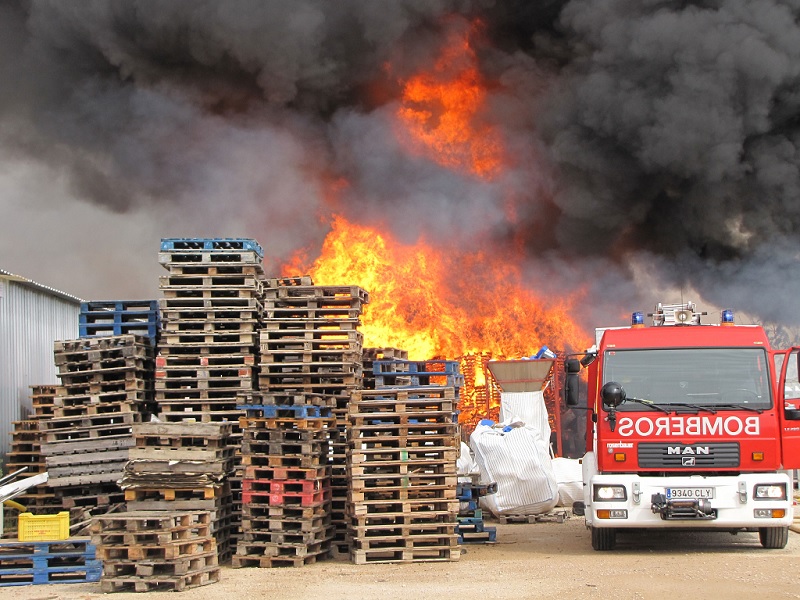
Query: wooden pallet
{"x": 174, "y": 436}
{"x": 170, "y": 494}
{"x": 165, "y": 551}
{"x": 342, "y": 293}
{"x": 405, "y": 555}
{"x": 420, "y": 507}
{"x": 285, "y": 538}
{"x": 267, "y": 555}
{"x": 159, "y": 569}
{"x": 151, "y": 583}
{"x": 268, "y": 562}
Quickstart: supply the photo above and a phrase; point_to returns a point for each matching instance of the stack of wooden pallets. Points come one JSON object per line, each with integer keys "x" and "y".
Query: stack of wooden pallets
{"x": 26, "y": 452}
{"x": 211, "y": 312}
{"x": 312, "y": 355}
{"x": 286, "y": 494}
{"x": 155, "y": 551}
{"x": 106, "y": 387}
{"x": 403, "y": 447}
{"x": 212, "y": 309}
{"x": 180, "y": 466}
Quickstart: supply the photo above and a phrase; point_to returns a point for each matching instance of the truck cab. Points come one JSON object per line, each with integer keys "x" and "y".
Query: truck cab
{"x": 689, "y": 428}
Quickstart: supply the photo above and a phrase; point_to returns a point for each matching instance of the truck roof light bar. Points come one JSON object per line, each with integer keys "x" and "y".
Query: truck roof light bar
{"x": 676, "y": 314}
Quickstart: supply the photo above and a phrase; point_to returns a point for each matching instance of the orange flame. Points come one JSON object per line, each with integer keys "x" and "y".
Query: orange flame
{"x": 437, "y": 302}
{"x": 439, "y": 115}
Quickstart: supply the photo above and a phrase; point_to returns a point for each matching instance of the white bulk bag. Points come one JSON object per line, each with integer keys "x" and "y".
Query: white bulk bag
{"x": 569, "y": 477}
{"x": 518, "y": 459}
{"x": 528, "y": 407}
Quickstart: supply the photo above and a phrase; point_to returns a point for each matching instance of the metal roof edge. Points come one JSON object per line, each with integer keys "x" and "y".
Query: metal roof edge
{"x": 38, "y": 286}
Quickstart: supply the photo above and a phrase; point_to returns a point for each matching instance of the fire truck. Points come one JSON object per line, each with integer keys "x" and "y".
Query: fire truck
{"x": 691, "y": 426}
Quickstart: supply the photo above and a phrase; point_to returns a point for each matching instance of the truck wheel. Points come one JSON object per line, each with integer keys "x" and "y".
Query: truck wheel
{"x": 773, "y": 537}
{"x": 604, "y": 538}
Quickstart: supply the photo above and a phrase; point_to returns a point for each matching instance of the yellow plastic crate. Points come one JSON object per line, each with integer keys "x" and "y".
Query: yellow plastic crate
{"x": 43, "y": 528}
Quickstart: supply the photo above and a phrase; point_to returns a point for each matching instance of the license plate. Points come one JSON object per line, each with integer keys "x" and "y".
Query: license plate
{"x": 689, "y": 493}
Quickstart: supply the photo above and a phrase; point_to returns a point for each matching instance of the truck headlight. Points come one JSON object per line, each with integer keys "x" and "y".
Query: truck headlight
{"x": 770, "y": 491}
{"x": 609, "y": 493}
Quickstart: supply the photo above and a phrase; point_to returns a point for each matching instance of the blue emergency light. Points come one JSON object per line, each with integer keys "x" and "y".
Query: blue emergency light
{"x": 727, "y": 316}
{"x": 637, "y": 318}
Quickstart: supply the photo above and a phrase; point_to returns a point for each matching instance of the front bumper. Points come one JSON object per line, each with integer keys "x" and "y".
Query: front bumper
{"x": 732, "y": 506}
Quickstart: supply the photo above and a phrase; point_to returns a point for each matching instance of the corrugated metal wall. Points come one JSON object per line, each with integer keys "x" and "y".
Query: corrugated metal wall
{"x": 31, "y": 319}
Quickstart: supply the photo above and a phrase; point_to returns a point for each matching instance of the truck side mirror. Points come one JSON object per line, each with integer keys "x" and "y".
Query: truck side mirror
{"x": 572, "y": 367}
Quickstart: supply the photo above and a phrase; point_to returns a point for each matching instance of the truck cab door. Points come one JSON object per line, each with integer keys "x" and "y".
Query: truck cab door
{"x": 788, "y": 404}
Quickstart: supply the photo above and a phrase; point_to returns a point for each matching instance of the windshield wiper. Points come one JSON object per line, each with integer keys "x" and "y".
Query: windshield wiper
{"x": 697, "y": 407}
{"x": 667, "y": 407}
{"x": 740, "y": 407}
{"x": 649, "y": 403}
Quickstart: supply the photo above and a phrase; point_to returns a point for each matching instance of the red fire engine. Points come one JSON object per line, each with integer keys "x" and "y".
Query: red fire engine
{"x": 692, "y": 427}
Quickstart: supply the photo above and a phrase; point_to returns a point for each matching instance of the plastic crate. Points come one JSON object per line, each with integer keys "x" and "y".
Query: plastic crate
{"x": 43, "y": 528}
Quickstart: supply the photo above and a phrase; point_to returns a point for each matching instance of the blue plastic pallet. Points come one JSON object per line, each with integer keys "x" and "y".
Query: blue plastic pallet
{"x": 272, "y": 411}
{"x": 114, "y": 306}
{"x": 46, "y": 562}
{"x": 118, "y": 318}
{"x": 87, "y": 573}
{"x": 210, "y": 244}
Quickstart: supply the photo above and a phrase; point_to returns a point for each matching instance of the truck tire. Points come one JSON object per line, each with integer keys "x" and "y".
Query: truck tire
{"x": 604, "y": 538}
{"x": 774, "y": 538}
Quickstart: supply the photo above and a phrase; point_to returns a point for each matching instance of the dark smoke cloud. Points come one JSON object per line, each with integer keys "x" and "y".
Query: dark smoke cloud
{"x": 650, "y": 141}
{"x": 674, "y": 126}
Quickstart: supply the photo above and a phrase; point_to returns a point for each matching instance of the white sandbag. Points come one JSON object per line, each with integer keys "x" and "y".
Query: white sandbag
{"x": 518, "y": 460}
{"x": 528, "y": 407}
{"x": 569, "y": 477}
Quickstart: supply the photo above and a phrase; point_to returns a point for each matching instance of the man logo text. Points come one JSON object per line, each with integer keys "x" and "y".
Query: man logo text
{"x": 688, "y": 450}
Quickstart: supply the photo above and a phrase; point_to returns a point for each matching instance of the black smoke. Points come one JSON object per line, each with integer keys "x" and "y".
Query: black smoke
{"x": 653, "y": 144}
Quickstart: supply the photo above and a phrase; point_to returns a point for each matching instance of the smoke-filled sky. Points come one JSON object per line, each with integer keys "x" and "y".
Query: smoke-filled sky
{"x": 652, "y": 146}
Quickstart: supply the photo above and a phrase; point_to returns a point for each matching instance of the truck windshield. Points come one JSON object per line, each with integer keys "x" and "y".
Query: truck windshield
{"x": 720, "y": 378}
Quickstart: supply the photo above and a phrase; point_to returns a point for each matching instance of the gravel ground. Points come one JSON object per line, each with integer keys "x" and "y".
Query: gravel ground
{"x": 540, "y": 560}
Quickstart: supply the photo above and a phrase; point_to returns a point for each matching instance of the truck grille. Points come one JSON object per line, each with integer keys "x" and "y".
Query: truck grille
{"x": 688, "y": 456}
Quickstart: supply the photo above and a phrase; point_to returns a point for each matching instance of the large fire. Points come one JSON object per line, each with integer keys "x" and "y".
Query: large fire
{"x": 441, "y": 301}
